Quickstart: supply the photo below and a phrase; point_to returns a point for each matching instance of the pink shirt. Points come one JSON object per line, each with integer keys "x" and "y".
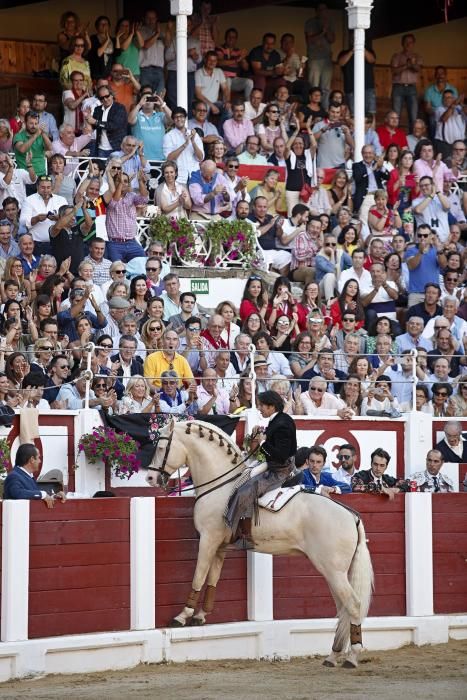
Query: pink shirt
{"x": 422, "y": 168}
{"x": 236, "y": 133}
{"x": 197, "y": 197}
{"x": 222, "y": 403}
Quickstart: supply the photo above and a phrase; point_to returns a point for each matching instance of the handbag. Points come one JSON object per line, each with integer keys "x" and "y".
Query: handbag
{"x": 306, "y": 191}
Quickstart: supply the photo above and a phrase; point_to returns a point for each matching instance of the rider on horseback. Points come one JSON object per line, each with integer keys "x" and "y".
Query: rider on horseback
{"x": 279, "y": 444}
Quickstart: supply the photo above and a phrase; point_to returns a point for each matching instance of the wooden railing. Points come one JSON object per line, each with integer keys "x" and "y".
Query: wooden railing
{"x": 26, "y": 57}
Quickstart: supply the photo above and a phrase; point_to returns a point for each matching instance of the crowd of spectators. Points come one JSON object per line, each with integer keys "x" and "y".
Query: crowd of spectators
{"x": 366, "y": 249}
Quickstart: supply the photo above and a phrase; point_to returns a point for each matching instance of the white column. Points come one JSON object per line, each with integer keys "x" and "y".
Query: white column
{"x": 417, "y": 441}
{"x": 260, "y": 587}
{"x": 89, "y": 478}
{"x": 142, "y": 563}
{"x": 15, "y": 571}
{"x": 182, "y": 8}
{"x": 359, "y": 12}
{"x": 418, "y": 554}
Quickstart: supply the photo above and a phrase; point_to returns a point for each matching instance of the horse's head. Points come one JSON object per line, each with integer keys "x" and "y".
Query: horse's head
{"x": 169, "y": 455}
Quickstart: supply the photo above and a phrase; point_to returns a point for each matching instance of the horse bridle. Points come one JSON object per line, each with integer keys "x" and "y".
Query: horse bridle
{"x": 166, "y": 475}
{"x": 161, "y": 469}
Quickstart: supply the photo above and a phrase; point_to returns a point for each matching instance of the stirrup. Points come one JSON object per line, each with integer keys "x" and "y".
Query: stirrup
{"x": 244, "y": 544}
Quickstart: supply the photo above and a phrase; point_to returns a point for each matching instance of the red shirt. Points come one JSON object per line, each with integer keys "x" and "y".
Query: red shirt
{"x": 386, "y": 138}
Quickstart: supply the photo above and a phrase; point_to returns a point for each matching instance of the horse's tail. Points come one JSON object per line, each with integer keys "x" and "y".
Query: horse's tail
{"x": 361, "y": 579}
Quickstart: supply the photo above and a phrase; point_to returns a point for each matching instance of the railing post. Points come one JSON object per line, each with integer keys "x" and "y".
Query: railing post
{"x": 418, "y": 554}
{"x": 143, "y": 563}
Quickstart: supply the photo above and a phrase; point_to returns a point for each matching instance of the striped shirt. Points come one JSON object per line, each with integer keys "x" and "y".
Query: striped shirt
{"x": 121, "y": 216}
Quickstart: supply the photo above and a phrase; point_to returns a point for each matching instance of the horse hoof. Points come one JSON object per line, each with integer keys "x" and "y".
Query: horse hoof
{"x": 349, "y": 664}
{"x": 176, "y": 623}
{"x": 329, "y": 664}
{"x": 196, "y": 622}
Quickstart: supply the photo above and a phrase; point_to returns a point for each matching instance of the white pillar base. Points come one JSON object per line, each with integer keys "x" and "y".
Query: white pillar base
{"x": 418, "y": 554}
{"x": 260, "y": 586}
{"x": 15, "y": 571}
{"x": 143, "y": 563}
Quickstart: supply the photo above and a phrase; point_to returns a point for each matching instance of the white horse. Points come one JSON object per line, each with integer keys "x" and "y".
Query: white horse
{"x": 330, "y": 535}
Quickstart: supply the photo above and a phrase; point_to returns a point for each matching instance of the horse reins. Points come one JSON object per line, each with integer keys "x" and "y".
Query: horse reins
{"x": 162, "y": 470}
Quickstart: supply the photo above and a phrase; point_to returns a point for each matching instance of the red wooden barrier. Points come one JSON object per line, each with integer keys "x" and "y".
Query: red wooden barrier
{"x": 176, "y": 552}
{"x": 450, "y": 552}
{"x": 79, "y": 578}
{"x": 301, "y": 592}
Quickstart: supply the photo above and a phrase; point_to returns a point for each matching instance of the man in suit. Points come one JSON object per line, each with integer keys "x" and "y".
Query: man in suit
{"x": 128, "y": 362}
{"x": 454, "y": 445}
{"x": 110, "y": 121}
{"x": 312, "y": 461}
{"x": 20, "y": 482}
{"x": 374, "y": 480}
{"x": 369, "y": 176}
{"x": 278, "y": 444}
{"x": 432, "y": 479}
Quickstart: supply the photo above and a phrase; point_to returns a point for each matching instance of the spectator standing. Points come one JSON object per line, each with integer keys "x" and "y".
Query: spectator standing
{"x": 33, "y": 140}
{"x": 319, "y": 36}
{"x": 183, "y": 146}
{"x": 46, "y": 120}
{"x": 39, "y": 211}
{"x": 151, "y": 56}
{"x": 101, "y": 53}
{"x": 426, "y": 165}
{"x": 450, "y": 123}
{"x": 405, "y": 67}
{"x": 206, "y": 27}
{"x": 232, "y": 61}
{"x": 110, "y": 120}
{"x": 346, "y": 61}
{"x": 433, "y": 97}
{"x": 369, "y": 176}
{"x": 332, "y": 136}
{"x": 13, "y": 181}
{"x": 123, "y": 85}
{"x": 424, "y": 262}
{"x": 431, "y": 209}
{"x": 210, "y": 83}
{"x": 267, "y": 236}
{"x": 128, "y": 42}
{"x": 121, "y": 218}
{"x": 200, "y": 121}
{"x": 72, "y": 100}
{"x": 267, "y": 66}
{"x": 149, "y": 119}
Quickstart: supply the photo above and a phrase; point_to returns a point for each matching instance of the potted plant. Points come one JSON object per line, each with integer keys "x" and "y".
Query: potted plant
{"x": 232, "y": 242}
{"x": 5, "y": 457}
{"x": 178, "y": 235}
{"x": 118, "y": 450}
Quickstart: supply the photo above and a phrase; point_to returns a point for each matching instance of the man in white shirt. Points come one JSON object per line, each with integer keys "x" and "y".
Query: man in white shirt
{"x": 347, "y": 457}
{"x": 183, "y": 146}
{"x": 254, "y": 107}
{"x": 318, "y": 402}
{"x": 210, "y": 83}
{"x": 450, "y": 122}
{"x": 13, "y": 181}
{"x": 151, "y": 55}
{"x": 39, "y": 211}
{"x": 251, "y": 155}
{"x": 432, "y": 208}
{"x": 356, "y": 272}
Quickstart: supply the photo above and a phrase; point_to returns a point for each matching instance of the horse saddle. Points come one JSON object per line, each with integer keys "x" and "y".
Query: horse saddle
{"x": 276, "y": 499}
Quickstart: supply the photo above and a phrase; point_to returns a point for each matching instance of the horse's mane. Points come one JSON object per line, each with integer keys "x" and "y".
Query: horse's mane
{"x": 212, "y": 430}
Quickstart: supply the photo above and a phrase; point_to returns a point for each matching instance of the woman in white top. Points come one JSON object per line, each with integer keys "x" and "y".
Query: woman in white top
{"x": 137, "y": 398}
{"x": 270, "y": 129}
{"x": 229, "y": 313}
{"x": 172, "y": 197}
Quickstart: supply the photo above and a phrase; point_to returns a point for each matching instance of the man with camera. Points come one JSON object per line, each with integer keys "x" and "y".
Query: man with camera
{"x": 149, "y": 118}
{"x": 39, "y": 210}
{"x": 332, "y": 136}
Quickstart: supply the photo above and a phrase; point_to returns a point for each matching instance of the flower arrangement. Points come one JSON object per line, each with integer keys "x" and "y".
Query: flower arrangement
{"x": 118, "y": 450}
{"x": 157, "y": 421}
{"x": 5, "y": 453}
{"x": 232, "y": 241}
{"x": 259, "y": 454}
{"x": 178, "y": 235}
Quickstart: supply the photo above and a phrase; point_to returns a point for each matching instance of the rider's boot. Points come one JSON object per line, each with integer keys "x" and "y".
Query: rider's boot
{"x": 246, "y": 540}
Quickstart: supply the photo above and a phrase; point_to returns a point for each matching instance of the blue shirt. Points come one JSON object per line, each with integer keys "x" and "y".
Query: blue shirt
{"x": 435, "y": 97}
{"x": 67, "y": 323}
{"x": 325, "y": 479}
{"x": 427, "y": 271}
{"x": 150, "y": 129}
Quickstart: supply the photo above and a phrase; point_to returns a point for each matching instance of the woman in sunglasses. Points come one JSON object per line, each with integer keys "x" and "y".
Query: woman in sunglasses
{"x": 43, "y": 352}
{"x": 103, "y": 352}
{"x": 75, "y": 62}
{"x": 270, "y": 129}
{"x": 458, "y": 401}
{"x": 440, "y": 404}
{"x": 151, "y": 335}
{"x": 237, "y": 185}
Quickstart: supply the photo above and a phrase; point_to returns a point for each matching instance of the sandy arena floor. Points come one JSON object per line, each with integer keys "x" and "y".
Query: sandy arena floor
{"x": 411, "y": 673}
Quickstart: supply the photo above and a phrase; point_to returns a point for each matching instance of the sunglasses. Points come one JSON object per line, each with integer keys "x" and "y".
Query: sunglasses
{"x": 348, "y": 320}
{"x": 63, "y": 367}
{"x": 79, "y": 46}
{"x": 107, "y": 347}
{"x": 233, "y": 167}
{"x": 155, "y": 328}
{"x": 440, "y": 393}
{"x": 116, "y": 167}
{"x": 273, "y": 111}
{"x": 194, "y": 329}
{"x": 157, "y": 254}
{"x": 164, "y": 381}
{"x": 46, "y": 348}
{"x": 341, "y": 458}
{"x": 119, "y": 272}
{"x": 100, "y": 386}
{"x": 314, "y": 388}
{"x": 152, "y": 269}
{"x": 104, "y": 97}
{"x": 424, "y": 235}
{"x": 44, "y": 178}
{"x": 333, "y": 245}
{"x": 254, "y": 277}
